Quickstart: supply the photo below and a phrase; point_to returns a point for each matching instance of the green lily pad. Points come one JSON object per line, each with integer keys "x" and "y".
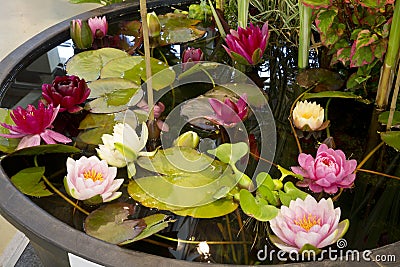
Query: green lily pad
{"x": 45, "y": 149}
{"x": 384, "y": 117}
{"x": 291, "y": 193}
{"x": 230, "y": 153}
{"x": 322, "y": 79}
{"x": 113, "y": 95}
{"x": 257, "y": 207}
{"x": 116, "y": 68}
{"x": 217, "y": 208}
{"x": 162, "y": 75}
{"x": 178, "y": 28}
{"x": 87, "y": 65}
{"x": 335, "y": 94}
{"x": 111, "y": 223}
{"x": 392, "y": 139}
{"x": 28, "y": 181}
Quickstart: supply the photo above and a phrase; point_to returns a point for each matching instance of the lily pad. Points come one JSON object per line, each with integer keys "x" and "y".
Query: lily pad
{"x": 257, "y": 207}
{"x": 28, "y": 181}
{"x": 384, "y": 117}
{"x": 230, "y": 153}
{"x": 392, "y": 139}
{"x": 291, "y": 193}
{"x": 111, "y": 223}
{"x": 45, "y": 149}
{"x": 217, "y": 208}
{"x": 162, "y": 75}
{"x": 113, "y": 95}
{"x": 335, "y": 94}
{"x": 116, "y": 68}
{"x": 322, "y": 79}
{"x": 178, "y": 28}
{"x": 87, "y": 65}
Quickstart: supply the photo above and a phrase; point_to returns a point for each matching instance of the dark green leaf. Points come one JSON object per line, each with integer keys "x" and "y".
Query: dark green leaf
{"x": 45, "y": 149}
{"x": 335, "y": 94}
{"x": 384, "y": 116}
{"x": 392, "y": 139}
{"x": 28, "y": 181}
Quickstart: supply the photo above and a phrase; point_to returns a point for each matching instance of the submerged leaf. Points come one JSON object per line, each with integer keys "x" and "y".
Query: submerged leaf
{"x": 28, "y": 181}
{"x": 111, "y": 223}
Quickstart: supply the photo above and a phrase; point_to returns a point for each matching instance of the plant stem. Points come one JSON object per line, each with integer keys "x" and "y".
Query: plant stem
{"x": 328, "y": 131}
{"x": 246, "y": 253}
{"x": 304, "y": 35}
{"x": 379, "y": 173}
{"x": 150, "y": 101}
{"x": 243, "y": 13}
{"x": 368, "y": 156}
{"x": 198, "y": 242}
{"x": 217, "y": 20}
{"x": 394, "y": 101}
{"x": 387, "y": 74}
{"x": 228, "y": 226}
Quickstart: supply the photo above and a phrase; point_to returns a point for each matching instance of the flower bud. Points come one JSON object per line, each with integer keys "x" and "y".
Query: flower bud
{"x": 81, "y": 34}
{"x": 154, "y": 24}
{"x": 188, "y": 139}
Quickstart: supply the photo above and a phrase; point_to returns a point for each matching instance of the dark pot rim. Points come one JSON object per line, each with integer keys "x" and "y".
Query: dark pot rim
{"x": 37, "y": 224}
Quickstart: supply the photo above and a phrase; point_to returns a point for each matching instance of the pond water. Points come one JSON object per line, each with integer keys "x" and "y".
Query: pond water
{"x": 372, "y": 206}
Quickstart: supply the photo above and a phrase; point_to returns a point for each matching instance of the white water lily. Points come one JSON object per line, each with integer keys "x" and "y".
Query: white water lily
{"x": 308, "y": 115}
{"x": 124, "y": 146}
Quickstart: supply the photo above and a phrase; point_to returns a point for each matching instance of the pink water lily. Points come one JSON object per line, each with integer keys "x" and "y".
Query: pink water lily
{"x": 66, "y": 91}
{"x": 228, "y": 113}
{"x": 191, "y": 56}
{"x": 327, "y": 172}
{"x": 33, "y": 124}
{"x": 89, "y": 177}
{"x": 307, "y": 222}
{"x": 99, "y": 26}
{"x": 247, "y": 46}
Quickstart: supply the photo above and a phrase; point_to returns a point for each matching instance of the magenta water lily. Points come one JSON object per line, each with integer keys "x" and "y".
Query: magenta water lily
{"x": 228, "y": 113}
{"x": 247, "y": 46}
{"x": 98, "y": 26}
{"x": 329, "y": 171}
{"x": 33, "y": 124}
{"x": 307, "y": 222}
{"x": 66, "y": 91}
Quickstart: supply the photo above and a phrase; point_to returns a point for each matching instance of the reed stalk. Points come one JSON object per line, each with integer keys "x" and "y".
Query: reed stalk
{"x": 394, "y": 100}
{"x": 243, "y": 12}
{"x": 304, "y": 35}
{"x": 387, "y": 74}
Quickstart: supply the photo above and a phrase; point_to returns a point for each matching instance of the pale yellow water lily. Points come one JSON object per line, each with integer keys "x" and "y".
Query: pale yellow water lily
{"x": 124, "y": 146}
{"x": 308, "y": 116}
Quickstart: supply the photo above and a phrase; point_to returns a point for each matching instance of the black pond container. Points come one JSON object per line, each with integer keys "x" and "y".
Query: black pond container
{"x": 53, "y": 239}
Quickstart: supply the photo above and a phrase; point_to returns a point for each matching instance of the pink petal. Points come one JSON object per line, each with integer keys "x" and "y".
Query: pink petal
{"x": 29, "y": 141}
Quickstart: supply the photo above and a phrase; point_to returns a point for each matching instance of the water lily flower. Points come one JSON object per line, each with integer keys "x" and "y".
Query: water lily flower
{"x": 308, "y": 116}
{"x": 81, "y": 34}
{"x": 66, "y": 91}
{"x": 191, "y": 56}
{"x": 123, "y": 147}
{"x": 153, "y": 24}
{"x": 89, "y": 177}
{"x": 228, "y": 113}
{"x": 327, "y": 172}
{"x": 307, "y": 222}
{"x": 247, "y": 46}
{"x": 33, "y": 124}
{"x": 159, "y": 108}
{"x": 98, "y": 26}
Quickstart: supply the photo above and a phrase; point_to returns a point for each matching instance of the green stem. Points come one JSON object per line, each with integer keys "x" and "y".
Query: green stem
{"x": 209, "y": 76}
{"x": 228, "y": 226}
{"x": 217, "y": 20}
{"x": 243, "y": 13}
{"x": 240, "y": 222}
{"x": 304, "y": 35}
{"x": 387, "y": 75}
{"x": 328, "y": 131}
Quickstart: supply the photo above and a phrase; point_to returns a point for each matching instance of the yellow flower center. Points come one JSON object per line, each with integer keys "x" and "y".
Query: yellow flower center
{"x": 93, "y": 174}
{"x": 307, "y": 115}
{"x": 307, "y": 222}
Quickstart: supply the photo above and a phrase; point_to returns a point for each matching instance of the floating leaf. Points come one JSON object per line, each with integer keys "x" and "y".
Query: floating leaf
{"x": 257, "y": 207}
{"x": 285, "y": 172}
{"x": 87, "y": 65}
{"x": 217, "y": 208}
{"x": 45, "y": 149}
{"x": 322, "y": 79}
{"x": 162, "y": 75}
{"x": 335, "y": 94}
{"x": 111, "y": 223}
{"x": 392, "y": 139}
{"x": 384, "y": 117}
{"x": 178, "y": 28}
{"x": 291, "y": 193}
{"x": 28, "y": 181}
{"x": 116, "y": 68}
{"x": 155, "y": 223}
{"x": 230, "y": 153}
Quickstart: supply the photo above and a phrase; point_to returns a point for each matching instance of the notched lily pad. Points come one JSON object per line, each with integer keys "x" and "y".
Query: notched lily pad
{"x": 322, "y": 79}
{"x": 291, "y": 193}
{"x": 28, "y": 181}
{"x": 87, "y": 65}
{"x": 257, "y": 207}
{"x": 111, "y": 223}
